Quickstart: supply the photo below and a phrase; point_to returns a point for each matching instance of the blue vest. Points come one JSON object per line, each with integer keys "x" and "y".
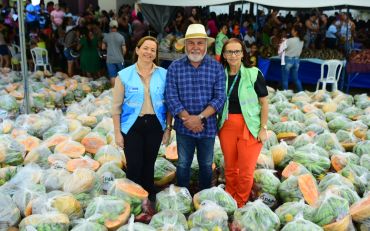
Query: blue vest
{"x": 134, "y": 96}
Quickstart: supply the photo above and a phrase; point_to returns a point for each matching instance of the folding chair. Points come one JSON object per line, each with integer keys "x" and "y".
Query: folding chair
{"x": 40, "y": 58}
{"x": 334, "y": 69}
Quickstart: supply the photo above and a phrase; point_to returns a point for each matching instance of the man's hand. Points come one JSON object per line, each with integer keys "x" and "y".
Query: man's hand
{"x": 193, "y": 123}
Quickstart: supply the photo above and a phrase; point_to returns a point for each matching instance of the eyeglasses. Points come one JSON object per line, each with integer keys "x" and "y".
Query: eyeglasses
{"x": 236, "y": 52}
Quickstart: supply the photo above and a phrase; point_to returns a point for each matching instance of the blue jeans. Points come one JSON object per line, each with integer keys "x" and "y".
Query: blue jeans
{"x": 114, "y": 68}
{"x": 186, "y": 146}
{"x": 291, "y": 67}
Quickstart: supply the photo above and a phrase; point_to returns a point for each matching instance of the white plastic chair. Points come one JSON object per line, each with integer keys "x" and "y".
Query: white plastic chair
{"x": 16, "y": 55}
{"x": 40, "y": 58}
{"x": 334, "y": 69}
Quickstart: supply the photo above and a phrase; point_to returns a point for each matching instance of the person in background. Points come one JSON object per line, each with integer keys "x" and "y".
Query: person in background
{"x": 221, "y": 38}
{"x": 57, "y": 16}
{"x": 32, "y": 16}
{"x": 312, "y": 26}
{"x": 249, "y": 38}
{"x": 89, "y": 56}
{"x": 140, "y": 118}
{"x": 253, "y": 54}
{"x": 115, "y": 45}
{"x": 71, "y": 42}
{"x": 4, "y": 51}
{"x": 211, "y": 25}
{"x": 195, "y": 91}
{"x": 331, "y": 35}
{"x": 293, "y": 50}
{"x": 139, "y": 28}
{"x": 195, "y": 16}
{"x": 243, "y": 121}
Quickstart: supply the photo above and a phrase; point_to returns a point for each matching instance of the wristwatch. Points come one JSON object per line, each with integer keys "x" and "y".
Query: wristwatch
{"x": 264, "y": 127}
{"x": 202, "y": 118}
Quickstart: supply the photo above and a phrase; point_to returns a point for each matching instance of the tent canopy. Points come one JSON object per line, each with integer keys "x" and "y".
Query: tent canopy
{"x": 273, "y": 3}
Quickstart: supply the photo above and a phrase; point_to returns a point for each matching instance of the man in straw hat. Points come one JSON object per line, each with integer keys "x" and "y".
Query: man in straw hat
{"x": 195, "y": 91}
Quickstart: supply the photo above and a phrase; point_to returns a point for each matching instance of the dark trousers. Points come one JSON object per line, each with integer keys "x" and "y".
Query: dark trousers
{"x": 142, "y": 144}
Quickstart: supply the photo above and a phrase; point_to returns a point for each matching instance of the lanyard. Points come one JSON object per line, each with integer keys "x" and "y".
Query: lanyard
{"x": 232, "y": 86}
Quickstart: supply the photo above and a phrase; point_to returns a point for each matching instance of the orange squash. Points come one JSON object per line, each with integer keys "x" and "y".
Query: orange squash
{"x": 93, "y": 141}
{"x": 341, "y": 225}
{"x": 120, "y": 220}
{"x": 73, "y": 164}
{"x": 29, "y": 142}
{"x": 360, "y": 211}
{"x": 70, "y": 148}
{"x": 338, "y": 162}
{"x": 131, "y": 189}
{"x": 308, "y": 188}
{"x": 171, "y": 152}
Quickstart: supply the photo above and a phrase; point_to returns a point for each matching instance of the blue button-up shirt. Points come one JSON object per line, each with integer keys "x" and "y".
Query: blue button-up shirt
{"x": 193, "y": 89}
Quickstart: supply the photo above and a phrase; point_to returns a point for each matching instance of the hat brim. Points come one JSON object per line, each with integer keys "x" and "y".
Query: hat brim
{"x": 209, "y": 40}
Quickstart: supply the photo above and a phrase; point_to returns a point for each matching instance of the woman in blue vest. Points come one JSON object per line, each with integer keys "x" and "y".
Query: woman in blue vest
{"x": 243, "y": 122}
{"x": 140, "y": 117}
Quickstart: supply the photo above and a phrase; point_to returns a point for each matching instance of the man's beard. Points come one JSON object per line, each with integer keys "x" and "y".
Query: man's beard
{"x": 196, "y": 57}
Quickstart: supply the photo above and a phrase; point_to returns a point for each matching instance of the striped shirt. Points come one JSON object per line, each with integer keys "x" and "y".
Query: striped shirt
{"x": 193, "y": 89}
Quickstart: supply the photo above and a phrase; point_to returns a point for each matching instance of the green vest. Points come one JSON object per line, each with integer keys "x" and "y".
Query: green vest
{"x": 220, "y": 42}
{"x": 249, "y": 103}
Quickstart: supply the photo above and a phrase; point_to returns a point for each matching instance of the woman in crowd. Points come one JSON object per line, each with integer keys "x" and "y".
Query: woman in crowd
{"x": 89, "y": 57}
{"x": 243, "y": 123}
{"x": 220, "y": 41}
{"x": 140, "y": 116}
{"x": 293, "y": 50}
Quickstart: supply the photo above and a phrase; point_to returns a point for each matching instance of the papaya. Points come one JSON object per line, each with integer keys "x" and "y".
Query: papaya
{"x": 55, "y": 139}
{"x": 18, "y": 131}
{"x": 286, "y": 135}
{"x": 28, "y": 209}
{"x": 171, "y": 152}
{"x": 29, "y": 142}
{"x": 132, "y": 189}
{"x": 279, "y": 152}
{"x": 86, "y": 120}
{"x": 338, "y": 162}
{"x": 89, "y": 163}
{"x": 12, "y": 87}
{"x": 93, "y": 141}
{"x": 120, "y": 220}
{"x": 57, "y": 87}
{"x": 308, "y": 187}
{"x": 341, "y": 225}
{"x": 293, "y": 169}
{"x": 17, "y": 95}
{"x": 360, "y": 211}
{"x": 70, "y": 148}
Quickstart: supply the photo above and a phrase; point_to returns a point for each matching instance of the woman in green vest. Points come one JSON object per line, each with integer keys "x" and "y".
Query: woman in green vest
{"x": 243, "y": 122}
{"x": 221, "y": 38}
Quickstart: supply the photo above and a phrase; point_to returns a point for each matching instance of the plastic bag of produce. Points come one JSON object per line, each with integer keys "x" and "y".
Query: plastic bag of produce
{"x": 61, "y": 128}
{"x": 135, "y": 226}
{"x": 26, "y": 193}
{"x": 352, "y": 112}
{"x": 9, "y": 213}
{"x": 365, "y": 161}
{"x": 38, "y": 155}
{"x": 108, "y": 172}
{"x": 339, "y": 123}
{"x": 93, "y": 142}
{"x": 281, "y": 154}
{"x": 130, "y": 192}
{"x": 87, "y": 225}
{"x": 219, "y": 196}
{"x": 209, "y": 216}
{"x": 54, "y": 179}
{"x": 6, "y": 174}
{"x": 57, "y": 201}
{"x": 288, "y": 211}
{"x": 358, "y": 175}
{"x": 339, "y": 159}
{"x": 169, "y": 220}
{"x": 265, "y": 160}
{"x": 265, "y": 182}
{"x": 82, "y": 162}
{"x": 110, "y": 153}
{"x": 109, "y": 211}
{"x": 11, "y": 152}
{"x": 104, "y": 126}
{"x": 328, "y": 141}
{"x": 255, "y": 216}
{"x": 315, "y": 163}
{"x": 329, "y": 209}
{"x": 35, "y": 124}
{"x": 360, "y": 211}
{"x": 9, "y": 104}
{"x": 176, "y": 198}
{"x": 50, "y": 221}
{"x": 314, "y": 129}
{"x": 301, "y": 224}
{"x": 347, "y": 139}
{"x": 334, "y": 179}
{"x": 302, "y": 140}
{"x": 81, "y": 180}
{"x": 271, "y": 139}
{"x": 345, "y": 192}
{"x": 287, "y": 130}
{"x": 164, "y": 172}
{"x": 6, "y": 126}
{"x": 293, "y": 169}
{"x": 362, "y": 147}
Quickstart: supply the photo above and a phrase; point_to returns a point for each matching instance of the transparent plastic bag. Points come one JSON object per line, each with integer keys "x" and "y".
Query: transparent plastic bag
{"x": 11, "y": 151}
{"x": 6, "y": 126}
{"x": 219, "y": 196}
{"x": 266, "y": 182}
{"x": 38, "y": 155}
{"x": 289, "y": 210}
{"x": 164, "y": 171}
{"x": 109, "y": 153}
{"x": 50, "y": 221}
{"x": 26, "y": 193}
{"x": 169, "y": 220}
{"x": 9, "y": 213}
{"x": 54, "y": 179}
{"x": 35, "y": 124}
{"x": 104, "y": 126}
{"x": 334, "y": 179}
{"x": 176, "y": 198}
{"x": 345, "y": 192}
{"x": 81, "y": 180}
{"x": 87, "y": 225}
{"x": 301, "y": 224}
{"x": 135, "y": 226}
{"x": 256, "y": 216}
{"x": 108, "y": 172}
{"x": 109, "y": 211}
{"x": 209, "y": 216}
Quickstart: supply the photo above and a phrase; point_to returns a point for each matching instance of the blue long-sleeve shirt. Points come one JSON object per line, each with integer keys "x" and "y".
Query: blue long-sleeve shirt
{"x": 193, "y": 89}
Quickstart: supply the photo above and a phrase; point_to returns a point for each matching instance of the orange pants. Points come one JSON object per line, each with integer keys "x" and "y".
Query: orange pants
{"x": 218, "y": 58}
{"x": 241, "y": 152}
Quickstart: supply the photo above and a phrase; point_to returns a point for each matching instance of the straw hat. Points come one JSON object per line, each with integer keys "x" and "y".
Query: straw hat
{"x": 195, "y": 31}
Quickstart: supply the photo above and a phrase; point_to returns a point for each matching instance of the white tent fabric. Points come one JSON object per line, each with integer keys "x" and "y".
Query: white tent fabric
{"x": 274, "y": 3}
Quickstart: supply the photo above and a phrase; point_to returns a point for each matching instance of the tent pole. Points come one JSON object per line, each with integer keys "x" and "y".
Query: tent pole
{"x": 347, "y": 33}
{"x": 241, "y": 15}
{"x": 22, "y": 43}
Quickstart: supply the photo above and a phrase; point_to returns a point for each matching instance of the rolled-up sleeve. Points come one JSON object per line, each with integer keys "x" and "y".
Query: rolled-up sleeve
{"x": 219, "y": 90}
{"x": 171, "y": 93}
